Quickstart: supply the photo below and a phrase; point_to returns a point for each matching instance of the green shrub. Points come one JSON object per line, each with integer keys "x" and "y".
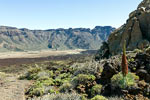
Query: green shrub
{"x": 37, "y": 84}
{"x": 66, "y": 87}
{"x": 124, "y": 82}
{"x": 62, "y": 78}
{"x": 37, "y": 89}
{"x": 96, "y": 90}
{"x": 51, "y": 91}
{"x": 83, "y": 97}
{"x": 44, "y": 73}
{"x": 36, "y": 73}
{"x": 36, "y": 92}
{"x": 32, "y": 73}
{"x": 44, "y": 78}
{"x": 51, "y": 74}
{"x": 57, "y": 72}
{"x": 58, "y": 82}
{"x": 99, "y": 97}
{"x": 46, "y": 81}
{"x": 83, "y": 78}
{"x": 34, "y": 70}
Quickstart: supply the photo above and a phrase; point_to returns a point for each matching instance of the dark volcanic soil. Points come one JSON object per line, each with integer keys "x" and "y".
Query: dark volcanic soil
{"x": 19, "y": 61}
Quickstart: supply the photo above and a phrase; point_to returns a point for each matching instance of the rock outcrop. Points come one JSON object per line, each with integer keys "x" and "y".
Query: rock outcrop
{"x": 136, "y": 31}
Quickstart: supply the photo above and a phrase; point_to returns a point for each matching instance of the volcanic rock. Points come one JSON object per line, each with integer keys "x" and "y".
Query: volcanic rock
{"x": 136, "y": 31}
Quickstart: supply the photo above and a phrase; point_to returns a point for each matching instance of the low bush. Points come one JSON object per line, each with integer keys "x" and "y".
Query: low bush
{"x": 66, "y": 87}
{"x": 83, "y": 79}
{"x": 37, "y": 92}
{"x": 62, "y": 78}
{"x": 46, "y": 81}
{"x": 51, "y": 91}
{"x": 32, "y": 73}
{"x": 96, "y": 90}
{"x": 124, "y": 82}
{"x": 37, "y": 89}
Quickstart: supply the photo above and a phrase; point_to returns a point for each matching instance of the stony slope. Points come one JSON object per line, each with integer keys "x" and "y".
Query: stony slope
{"x": 136, "y": 31}
{"x": 15, "y": 39}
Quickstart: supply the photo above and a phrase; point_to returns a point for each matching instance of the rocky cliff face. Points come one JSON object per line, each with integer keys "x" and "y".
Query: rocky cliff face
{"x": 24, "y": 39}
{"x": 136, "y": 31}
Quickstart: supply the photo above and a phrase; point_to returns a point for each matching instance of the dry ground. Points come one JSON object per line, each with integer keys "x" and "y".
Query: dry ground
{"x": 11, "y": 88}
{"x": 38, "y": 54}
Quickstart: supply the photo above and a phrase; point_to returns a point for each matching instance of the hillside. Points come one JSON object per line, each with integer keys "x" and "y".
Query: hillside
{"x": 15, "y": 39}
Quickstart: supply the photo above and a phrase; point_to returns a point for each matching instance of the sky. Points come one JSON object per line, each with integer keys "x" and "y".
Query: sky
{"x": 52, "y": 14}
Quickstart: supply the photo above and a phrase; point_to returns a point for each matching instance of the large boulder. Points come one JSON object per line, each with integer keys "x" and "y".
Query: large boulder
{"x": 135, "y": 31}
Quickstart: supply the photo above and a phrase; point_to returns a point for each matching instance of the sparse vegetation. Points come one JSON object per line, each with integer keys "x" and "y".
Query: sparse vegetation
{"x": 85, "y": 79}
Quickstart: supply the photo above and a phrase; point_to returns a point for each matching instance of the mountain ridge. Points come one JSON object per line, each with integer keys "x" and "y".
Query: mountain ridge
{"x": 14, "y": 39}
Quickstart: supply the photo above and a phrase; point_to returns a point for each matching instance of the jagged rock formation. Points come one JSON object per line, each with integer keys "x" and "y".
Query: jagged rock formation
{"x": 136, "y": 31}
{"x": 15, "y": 39}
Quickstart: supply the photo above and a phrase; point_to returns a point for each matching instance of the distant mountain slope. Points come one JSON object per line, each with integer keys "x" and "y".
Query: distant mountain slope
{"x": 15, "y": 39}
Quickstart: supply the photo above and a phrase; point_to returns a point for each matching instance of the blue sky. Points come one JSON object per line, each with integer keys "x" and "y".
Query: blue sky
{"x": 48, "y": 14}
